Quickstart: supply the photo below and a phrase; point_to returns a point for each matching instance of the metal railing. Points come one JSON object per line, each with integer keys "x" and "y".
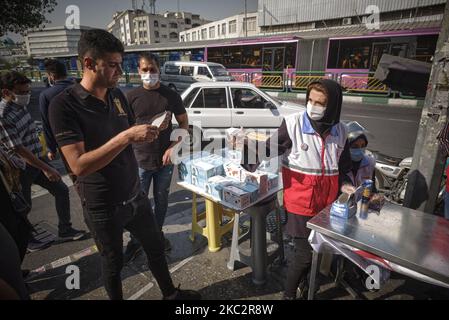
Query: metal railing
{"x": 360, "y": 84}
{"x": 301, "y": 80}
{"x": 271, "y": 80}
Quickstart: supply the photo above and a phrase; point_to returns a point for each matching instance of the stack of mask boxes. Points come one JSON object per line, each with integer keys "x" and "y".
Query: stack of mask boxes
{"x": 205, "y": 168}
{"x": 185, "y": 166}
{"x": 216, "y": 185}
{"x": 226, "y": 179}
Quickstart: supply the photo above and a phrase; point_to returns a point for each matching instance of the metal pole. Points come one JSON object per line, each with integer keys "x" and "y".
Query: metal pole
{"x": 428, "y": 162}
{"x": 246, "y": 22}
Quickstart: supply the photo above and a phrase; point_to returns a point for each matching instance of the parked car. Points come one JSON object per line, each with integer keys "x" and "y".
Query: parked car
{"x": 179, "y": 75}
{"x": 221, "y": 105}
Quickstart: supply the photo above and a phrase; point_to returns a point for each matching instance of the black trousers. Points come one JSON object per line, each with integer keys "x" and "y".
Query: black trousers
{"x": 57, "y": 189}
{"x": 106, "y": 223}
{"x": 16, "y": 225}
{"x": 301, "y": 261}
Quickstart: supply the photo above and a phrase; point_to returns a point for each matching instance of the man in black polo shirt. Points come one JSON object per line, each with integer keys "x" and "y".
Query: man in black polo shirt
{"x": 154, "y": 158}
{"x": 93, "y": 126}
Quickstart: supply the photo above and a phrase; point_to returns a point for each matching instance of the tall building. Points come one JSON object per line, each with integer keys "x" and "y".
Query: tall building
{"x": 286, "y": 16}
{"x": 236, "y": 26}
{"x": 136, "y": 27}
{"x": 54, "y": 42}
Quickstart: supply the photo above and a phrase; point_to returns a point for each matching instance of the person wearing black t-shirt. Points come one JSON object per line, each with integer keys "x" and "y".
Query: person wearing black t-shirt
{"x": 94, "y": 129}
{"x": 154, "y": 158}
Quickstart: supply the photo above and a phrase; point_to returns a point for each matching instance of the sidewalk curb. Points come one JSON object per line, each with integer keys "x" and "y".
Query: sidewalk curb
{"x": 391, "y": 102}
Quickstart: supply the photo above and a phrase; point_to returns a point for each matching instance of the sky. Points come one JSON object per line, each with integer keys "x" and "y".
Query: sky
{"x": 98, "y": 13}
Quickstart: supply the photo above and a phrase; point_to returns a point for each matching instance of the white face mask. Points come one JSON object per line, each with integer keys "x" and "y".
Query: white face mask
{"x": 22, "y": 99}
{"x": 150, "y": 79}
{"x": 315, "y": 112}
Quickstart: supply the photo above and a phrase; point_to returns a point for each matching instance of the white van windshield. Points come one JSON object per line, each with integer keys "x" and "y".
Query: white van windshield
{"x": 218, "y": 71}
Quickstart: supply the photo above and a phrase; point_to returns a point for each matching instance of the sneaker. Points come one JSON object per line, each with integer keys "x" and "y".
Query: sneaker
{"x": 167, "y": 245}
{"x": 36, "y": 245}
{"x": 71, "y": 235}
{"x": 185, "y": 295}
{"x": 132, "y": 251}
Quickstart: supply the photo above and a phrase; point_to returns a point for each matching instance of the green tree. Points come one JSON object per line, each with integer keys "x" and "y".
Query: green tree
{"x": 17, "y": 16}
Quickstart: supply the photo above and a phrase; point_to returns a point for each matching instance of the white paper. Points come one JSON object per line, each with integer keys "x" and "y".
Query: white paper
{"x": 160, "y": 118}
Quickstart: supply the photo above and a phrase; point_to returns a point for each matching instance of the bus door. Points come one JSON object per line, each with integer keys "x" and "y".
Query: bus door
{"x": 273, "y": 59}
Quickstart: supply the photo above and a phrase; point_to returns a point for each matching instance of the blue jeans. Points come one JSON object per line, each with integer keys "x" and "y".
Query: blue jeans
{"x": 161, "y": 188}
{"x": 446, "y": 205}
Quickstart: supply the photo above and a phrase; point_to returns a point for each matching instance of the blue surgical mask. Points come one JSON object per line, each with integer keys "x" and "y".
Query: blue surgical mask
{"x": 357, "y": 154}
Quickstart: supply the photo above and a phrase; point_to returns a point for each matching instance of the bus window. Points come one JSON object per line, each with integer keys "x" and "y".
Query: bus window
{"x": 251, "y": 57}
{"x": 349, "y": 54}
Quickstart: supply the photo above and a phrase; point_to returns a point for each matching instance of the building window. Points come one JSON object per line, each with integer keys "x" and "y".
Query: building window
{"x": 187, "y": 37}
{"x": 211, "y": 32}
{"x": 203, "y": 34}
{"x": 182, "y": 39}
{"x": 156, "y": 24}
{"x": 188, "y": 21}
{"x": 173, "y": 25}
{"x": 173, "y": 35}
{"x": 250, "y": 23}
{"x": 144, "y": 34}
{"x": 164, "y": 36}
{"x": 233, "y": 26}
{"x": 223, "y": 29}
{"x": 194, "y": 36}
{"x": 156, "y": 34}
{"x": 218, "y": 30}
{"x": 163, "y": 26}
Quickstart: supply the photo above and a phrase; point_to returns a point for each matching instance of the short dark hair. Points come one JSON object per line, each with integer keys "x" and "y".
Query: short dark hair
{"x": 150, "y": 57}
{"x": 56, "y": 67}
{"x": 12, "y": 78}
{"x": 97, "y": 43}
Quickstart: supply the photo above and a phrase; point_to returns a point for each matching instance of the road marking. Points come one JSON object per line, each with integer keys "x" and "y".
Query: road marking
{"x": 139, "y": 293}
{"x": 63, "y": 261}
{"x": 369, "y": 117}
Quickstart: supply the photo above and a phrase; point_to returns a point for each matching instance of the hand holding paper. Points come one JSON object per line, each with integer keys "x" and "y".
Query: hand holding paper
{"x": 161, "y": 120}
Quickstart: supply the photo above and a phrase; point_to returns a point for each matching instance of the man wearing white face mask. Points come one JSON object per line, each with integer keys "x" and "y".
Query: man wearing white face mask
{"x": 154, "y": 158}
{"x": 18, "y": 133}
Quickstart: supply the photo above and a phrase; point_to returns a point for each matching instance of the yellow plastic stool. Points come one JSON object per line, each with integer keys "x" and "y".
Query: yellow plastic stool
{"x": 214, "y": 228}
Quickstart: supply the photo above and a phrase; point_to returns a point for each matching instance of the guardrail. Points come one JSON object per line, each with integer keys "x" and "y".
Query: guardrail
{"x": 359, "y": 84}
{"x": 363, "y": 84}
{"x": 270, "y": 80}
{"x": 299, "y": 81}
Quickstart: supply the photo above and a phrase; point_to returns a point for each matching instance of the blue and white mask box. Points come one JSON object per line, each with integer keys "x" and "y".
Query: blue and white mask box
{"x": 185, "y": 166}
{"x": 234, "y": 170}
{"x": 273, "y": 180}
{"x": 216, "y": 184}
{"x": 252, "y": 189}
{"x": 236, "y": 197}
{"x": 205, "y": 168}
{"x": 259, "y": 179}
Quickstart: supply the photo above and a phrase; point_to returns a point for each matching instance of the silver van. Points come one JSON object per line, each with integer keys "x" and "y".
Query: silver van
{"x": 179, "y": 75}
